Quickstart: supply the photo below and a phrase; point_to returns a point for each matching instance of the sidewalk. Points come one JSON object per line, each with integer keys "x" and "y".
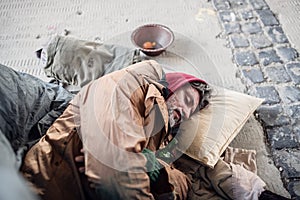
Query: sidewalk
{"x": 269, "y": 67}
{"x": 237, "y": 44}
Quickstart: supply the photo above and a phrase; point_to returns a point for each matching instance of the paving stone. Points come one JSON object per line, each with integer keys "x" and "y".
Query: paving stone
{"x": 272, "y": 115}
{"x": 277, "y": 74}
{"x": 259, "y": 4}
{"x": 260, "y": 41}
{"x": 221, "y": 4}
{"x": 274, "y": 112}
{"x": 247, "y": 15}
{"x": 238, "y": 41}
{"x": 245, "y": 58}
{"x": 232, "y": 28}
{"x": 287, "y": 53}
{"x": 238, "y": 4}
{"x": 294, "y": 189}
{"x": 227, "y": 16}
{"x": 282, "y": 137}
{"x": 267, "y": 17}
{"x": 293, "y": 70}
{"x": 269, "y": 56}
{"x": 251, "y": 27}
{"x": 277, "y": 35}
{"x": 253, "y": 74}
{"x": 294, "y": 111}
{"x": 269, "y": 93}
{"x": 289, "y": 94}
{"x": 289, "y": 161}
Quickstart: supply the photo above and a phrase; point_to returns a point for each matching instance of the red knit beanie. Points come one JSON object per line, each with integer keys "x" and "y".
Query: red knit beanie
{"x": 177, "y": 79}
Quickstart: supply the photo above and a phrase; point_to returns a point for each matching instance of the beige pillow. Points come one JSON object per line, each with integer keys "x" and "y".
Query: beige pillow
{"x": 207, "y": 134}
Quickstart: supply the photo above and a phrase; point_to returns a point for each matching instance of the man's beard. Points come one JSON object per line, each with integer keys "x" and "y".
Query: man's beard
{"x": 171, "y": 111}
{"x": 173, "y": 121}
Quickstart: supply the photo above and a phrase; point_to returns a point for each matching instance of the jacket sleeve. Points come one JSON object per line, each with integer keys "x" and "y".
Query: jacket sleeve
{"x": 113, "y": 116}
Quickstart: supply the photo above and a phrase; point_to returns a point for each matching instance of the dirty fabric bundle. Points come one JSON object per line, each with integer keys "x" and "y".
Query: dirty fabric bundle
{"x": 233, "y": 177}
{"x": 77, "y": 62}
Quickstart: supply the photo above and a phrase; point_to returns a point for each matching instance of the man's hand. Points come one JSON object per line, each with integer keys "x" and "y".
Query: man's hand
{"x": 80, "y": 160}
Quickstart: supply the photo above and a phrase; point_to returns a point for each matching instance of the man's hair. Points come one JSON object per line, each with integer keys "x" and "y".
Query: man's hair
{"x": 205, "y": 92}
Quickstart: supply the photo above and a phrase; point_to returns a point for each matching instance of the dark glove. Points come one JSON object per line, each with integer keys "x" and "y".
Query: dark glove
{"x": 152, "y": 165}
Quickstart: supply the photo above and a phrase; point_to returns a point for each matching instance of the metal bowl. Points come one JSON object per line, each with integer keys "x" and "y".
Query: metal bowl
{"x": 159, "y": 36}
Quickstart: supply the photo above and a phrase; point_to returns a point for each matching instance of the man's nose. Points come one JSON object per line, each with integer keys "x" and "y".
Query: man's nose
{"x": 187, "y": 111}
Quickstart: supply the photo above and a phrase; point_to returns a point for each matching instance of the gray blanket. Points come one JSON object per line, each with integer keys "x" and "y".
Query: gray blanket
{"x": 28, "y": 107}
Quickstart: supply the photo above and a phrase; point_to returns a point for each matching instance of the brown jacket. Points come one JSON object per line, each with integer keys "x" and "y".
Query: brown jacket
{"x": 113, "y": 119}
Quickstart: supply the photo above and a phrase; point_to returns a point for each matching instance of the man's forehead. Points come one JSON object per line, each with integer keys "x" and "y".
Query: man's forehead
{"x": 188, "y": 89}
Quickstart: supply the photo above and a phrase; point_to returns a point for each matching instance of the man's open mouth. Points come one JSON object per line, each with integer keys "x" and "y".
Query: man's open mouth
{"x": 177, "y": 116}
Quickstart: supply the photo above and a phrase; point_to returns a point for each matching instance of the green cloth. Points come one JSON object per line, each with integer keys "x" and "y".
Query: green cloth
{"x": 169, "y": 153}
{"x": 152, "y": 165}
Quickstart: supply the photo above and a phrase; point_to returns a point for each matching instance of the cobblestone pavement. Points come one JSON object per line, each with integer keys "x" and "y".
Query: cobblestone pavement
{"x": 270, "y": 69}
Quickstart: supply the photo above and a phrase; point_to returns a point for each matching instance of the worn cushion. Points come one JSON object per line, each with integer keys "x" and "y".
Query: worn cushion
{"x": 208, "y": 132}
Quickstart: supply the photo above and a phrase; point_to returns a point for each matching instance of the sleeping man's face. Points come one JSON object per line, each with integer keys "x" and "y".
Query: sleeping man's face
{"x": 182, "y": 104}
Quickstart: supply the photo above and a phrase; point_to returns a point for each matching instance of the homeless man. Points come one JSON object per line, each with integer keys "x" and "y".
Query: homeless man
{"x": 119, "y": 120}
